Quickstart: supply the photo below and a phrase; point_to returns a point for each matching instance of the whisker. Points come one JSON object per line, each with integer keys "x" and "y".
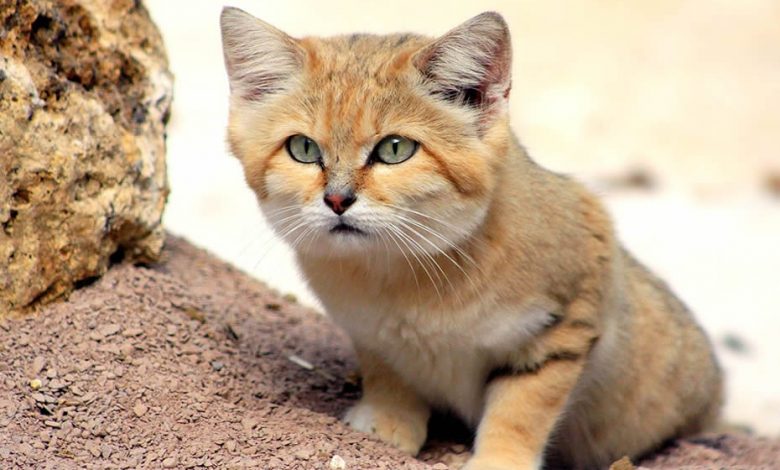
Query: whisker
{"x": 403, "y": 237}
{"x": 408, "y": 261}
{"x": 274, "y": 239}
{"x": 455, "y": 291}
{"x": 459, "y": 230}
{"x": 433, "y": 232}
{"x": 424, "y": 252}
{"x": 404, "y": 221}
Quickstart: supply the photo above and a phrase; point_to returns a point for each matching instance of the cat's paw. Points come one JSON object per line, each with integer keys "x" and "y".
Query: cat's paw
{"x": 399, "y": 428}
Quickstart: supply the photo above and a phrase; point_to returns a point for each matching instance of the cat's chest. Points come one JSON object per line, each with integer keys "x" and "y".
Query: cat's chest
{"x": 445, "y": 355}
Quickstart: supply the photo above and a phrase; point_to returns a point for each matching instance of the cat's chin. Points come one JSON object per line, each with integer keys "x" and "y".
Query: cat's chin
{"x": 342, "y": 241}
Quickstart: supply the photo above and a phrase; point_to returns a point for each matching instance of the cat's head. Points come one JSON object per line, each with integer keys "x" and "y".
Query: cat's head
{"x": 369, "y": 143}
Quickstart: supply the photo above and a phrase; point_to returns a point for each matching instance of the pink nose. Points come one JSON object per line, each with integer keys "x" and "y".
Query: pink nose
{"x": 339, "y": 202}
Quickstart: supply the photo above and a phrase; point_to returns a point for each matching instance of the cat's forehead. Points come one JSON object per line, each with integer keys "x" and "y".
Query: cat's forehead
{"x": 355, "y": 87}
{"x": 361, "y": 55}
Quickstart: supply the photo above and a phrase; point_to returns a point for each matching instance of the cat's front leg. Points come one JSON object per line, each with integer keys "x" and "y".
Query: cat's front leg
{"x": 389, "y": 408}
{"x": 520, "y": 412}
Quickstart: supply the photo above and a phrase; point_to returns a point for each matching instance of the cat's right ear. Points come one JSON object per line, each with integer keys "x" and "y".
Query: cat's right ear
{"x": 259, "y": 58}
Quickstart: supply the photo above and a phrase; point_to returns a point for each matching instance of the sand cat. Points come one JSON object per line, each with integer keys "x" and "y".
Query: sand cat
{"x": 468, "y": 277}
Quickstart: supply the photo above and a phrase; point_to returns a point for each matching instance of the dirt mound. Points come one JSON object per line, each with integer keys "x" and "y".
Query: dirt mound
{"x": 192, "y": 363}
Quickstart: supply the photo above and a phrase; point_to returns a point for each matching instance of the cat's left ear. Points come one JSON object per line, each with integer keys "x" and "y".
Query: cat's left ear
{"x": 259, "y": 58}
{"x": 471, "y": 64}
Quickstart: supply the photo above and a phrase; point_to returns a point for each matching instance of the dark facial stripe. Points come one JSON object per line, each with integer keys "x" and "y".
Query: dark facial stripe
{"x": 444, "y": 170}
{"x": 580, "y": 324}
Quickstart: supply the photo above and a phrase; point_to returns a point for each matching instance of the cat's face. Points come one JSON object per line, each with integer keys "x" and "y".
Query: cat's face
{"x": 369, "y": 143}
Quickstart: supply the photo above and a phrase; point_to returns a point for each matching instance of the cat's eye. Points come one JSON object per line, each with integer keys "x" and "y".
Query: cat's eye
{"x": 303, "y": 149}
{"x": 394, "y": 149}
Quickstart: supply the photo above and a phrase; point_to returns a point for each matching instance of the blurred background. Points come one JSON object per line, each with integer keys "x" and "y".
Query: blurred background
{"x": 668, "y": 109}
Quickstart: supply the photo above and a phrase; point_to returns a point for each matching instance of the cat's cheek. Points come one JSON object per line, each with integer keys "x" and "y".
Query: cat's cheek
{"x": 288, "y": 181}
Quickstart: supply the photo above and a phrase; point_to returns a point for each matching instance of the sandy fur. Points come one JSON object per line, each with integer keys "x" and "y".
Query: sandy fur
{"x": 486, "y": 284}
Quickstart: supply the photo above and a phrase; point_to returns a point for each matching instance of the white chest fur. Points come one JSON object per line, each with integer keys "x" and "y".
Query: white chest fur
{"x": 445, "y": 356}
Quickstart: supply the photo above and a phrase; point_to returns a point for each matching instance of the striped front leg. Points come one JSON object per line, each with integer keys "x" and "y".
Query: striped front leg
{"x": 524, "y": 401}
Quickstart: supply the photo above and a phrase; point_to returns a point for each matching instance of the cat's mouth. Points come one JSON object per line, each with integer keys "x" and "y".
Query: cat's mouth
{"x": 341, "y": 227}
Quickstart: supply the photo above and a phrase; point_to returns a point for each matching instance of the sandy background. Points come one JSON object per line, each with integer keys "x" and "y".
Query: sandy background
{"x": 683, "y": 92}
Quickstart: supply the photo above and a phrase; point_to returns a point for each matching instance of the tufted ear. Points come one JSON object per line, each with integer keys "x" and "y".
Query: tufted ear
{"x": 259, "y": 58}
{"x": 471, "y": 64}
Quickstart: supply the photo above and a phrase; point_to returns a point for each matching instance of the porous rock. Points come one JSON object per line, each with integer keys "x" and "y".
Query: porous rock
{"x": 85, "y": 93}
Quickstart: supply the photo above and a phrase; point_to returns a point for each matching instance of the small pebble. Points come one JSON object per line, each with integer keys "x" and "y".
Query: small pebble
{"x": 170, "y": 462}
{"x": 56, "y": 384}
{"x": 337, "y": 463}
{"x": 105, "y": 451}
{"x": 217, "y": 365}
{"x": 37, "y": 365}
{"x": 39, "y": 397}
{"x": 35, "y": 384}
{"x": 622, "y": 464}
{"x": 130, "y": 332}
{"x": 440, "y": 466}
{"x": 300, "y": 361}
{"x": 140, "y": 409}
{"x": 195, "y": 314}
{"x": 110, "y": 329}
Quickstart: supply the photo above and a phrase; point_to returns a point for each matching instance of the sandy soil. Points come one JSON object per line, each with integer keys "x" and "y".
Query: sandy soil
{"x": 193, "y": 364}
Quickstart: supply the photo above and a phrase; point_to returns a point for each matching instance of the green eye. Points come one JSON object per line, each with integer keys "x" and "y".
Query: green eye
{"x": 303, "y": 149}
{"x": 394, "y": 149}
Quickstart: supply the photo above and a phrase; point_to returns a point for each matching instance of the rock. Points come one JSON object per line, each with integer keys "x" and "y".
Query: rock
{"x": 85, "y": 93}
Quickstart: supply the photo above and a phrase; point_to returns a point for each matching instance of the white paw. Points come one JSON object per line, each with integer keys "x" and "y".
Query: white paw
{"x": 361, "y": 418}
{"x": 401, "y": 428}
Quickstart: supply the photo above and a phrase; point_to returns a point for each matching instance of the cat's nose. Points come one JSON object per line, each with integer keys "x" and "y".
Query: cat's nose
{"x": 339, "y": 202}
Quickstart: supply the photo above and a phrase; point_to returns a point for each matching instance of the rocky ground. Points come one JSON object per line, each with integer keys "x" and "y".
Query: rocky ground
{"x": 192, "y": 364}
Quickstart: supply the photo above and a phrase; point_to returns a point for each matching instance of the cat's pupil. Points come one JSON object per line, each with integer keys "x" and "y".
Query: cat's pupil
{"x": 306, "y": 146}
{"x": 395, "y": 146}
